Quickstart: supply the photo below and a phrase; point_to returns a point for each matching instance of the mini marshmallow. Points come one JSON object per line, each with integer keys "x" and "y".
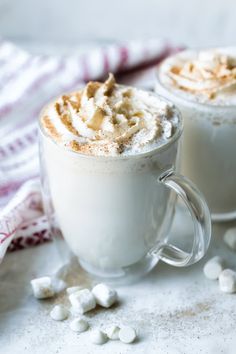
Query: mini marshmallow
{"x": 104, "y": 295}
{"x": 113, "y": 332}
{"x": 98, "y": 337}
{"x": 82, "y": 301}
{"x": 58, "y": 285}
{"x": 42, "y": 287}
{"x": 230, "y": 238}
{"x": 213, "y": 268}
{"x": 59, "y": 313}
{"x": 79, "y": 325}
{"x": 227, "y": 281}
{"x": 127, "y": 334}
{"x": 73, "y": 289}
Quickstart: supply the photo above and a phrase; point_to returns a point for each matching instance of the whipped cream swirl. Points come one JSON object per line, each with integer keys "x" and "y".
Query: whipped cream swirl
{"x": 208, "y": 75}
{"x": 109, "y": 119}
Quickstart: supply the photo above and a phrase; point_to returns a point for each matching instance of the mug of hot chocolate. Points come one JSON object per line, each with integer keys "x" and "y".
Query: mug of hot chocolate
{"x": 202, "y": 84}
{"x": 109, "y": 159}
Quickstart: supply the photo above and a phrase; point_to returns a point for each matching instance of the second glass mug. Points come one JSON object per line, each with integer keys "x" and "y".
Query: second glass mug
{"x": 209, "y": 142}
{"x": 115, "y": 212}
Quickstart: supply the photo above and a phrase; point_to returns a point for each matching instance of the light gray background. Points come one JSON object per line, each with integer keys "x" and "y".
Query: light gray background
{"x": 189, "y": 22}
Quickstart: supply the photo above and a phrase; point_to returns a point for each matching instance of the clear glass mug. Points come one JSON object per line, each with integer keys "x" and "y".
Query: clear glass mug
{"x": 115, "y": 212}
{"x": 208, "y": 147}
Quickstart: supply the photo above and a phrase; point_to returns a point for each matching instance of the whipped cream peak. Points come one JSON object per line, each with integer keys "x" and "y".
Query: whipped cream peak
{"x": 110, "y": 119}
{"x": 209, "y": 75}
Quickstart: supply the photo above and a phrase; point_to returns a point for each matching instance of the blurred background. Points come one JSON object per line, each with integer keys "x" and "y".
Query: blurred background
{"x": 71, "y": 23}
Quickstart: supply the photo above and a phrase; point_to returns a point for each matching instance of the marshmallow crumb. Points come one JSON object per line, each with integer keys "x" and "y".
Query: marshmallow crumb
{"x": 230, "y": 238}
{"x": 104, "y": 295}
{"x": 58, "y": 285}
{"x": 79, "y": 325}
{"x": 59, "y": 313}
{"x": 113, "y": 332}
{"x": 42, "y": 287}
{"x": 82, "y": 301}
{"x": 127, "y": 334}
{"x": 98, "y": 337}
{"x": 213, "y": 268}
{"x": 227, "y": 281}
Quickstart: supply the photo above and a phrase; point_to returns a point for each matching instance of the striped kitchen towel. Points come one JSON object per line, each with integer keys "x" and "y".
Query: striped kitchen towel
{"x": 27, "y": 83}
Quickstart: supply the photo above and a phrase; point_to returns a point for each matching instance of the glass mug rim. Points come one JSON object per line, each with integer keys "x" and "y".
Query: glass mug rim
{"x": 187, "y": 100}
{"x": 177, "y": 134}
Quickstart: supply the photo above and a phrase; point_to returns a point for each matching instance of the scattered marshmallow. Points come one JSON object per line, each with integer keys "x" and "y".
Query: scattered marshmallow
{"x": 213, "y": 268}
{"x": 59, "y": 313}
{"x": 167, "y": 129}
{"x": 82, "y": 301}
{"x": 73, "y": 289}
{"x": 98, "y": 337}
{"x": 230, "y": 238}
{"x": 227, "y": 281}
{"x": 104, "y": 295}
{"x": 42, "y": 287}
{"x": 58, "y": 284}
{"x": 113, "y": 332}
{"x": 79, "y": 325}
{"x": 127, "y": 334}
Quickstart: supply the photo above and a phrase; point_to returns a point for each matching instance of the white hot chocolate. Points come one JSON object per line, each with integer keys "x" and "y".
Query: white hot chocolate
{"x": 202, "y": 84}
{"x": 102, "y": 151}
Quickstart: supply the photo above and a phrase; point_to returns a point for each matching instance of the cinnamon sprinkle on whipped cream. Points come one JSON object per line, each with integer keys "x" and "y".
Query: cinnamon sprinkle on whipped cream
{"x": 107, "y": 119}
{"x": 208, "y": 76}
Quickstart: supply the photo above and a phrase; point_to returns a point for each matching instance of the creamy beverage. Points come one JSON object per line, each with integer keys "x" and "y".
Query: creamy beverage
{"x": 202, "y": 84}
{"x": 103, "y": 150}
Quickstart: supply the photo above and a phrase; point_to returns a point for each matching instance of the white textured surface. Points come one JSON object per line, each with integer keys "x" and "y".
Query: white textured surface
{"x": 173, "y": 310}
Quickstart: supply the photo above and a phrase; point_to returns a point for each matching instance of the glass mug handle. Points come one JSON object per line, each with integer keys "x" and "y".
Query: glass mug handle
{"x": 200, "y": 214}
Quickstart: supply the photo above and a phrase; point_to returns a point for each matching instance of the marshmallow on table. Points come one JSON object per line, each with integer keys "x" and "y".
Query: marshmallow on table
{"x": 104, "y": 295}
{"x": 213, "y": 268}
{"x": 58, "y": 284}
{"x": 79, "y": 325}
{"x": 227, "y": 281}
{"x": 230, "y": 238}
{"x": 98, "y": 337}
{"x": 127, "y": 334}
{"x": 59, "y": 313}
{"x": 113, "y": 332}
{"x": 42, "y": 287}
{"x": 82, "y": 301}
